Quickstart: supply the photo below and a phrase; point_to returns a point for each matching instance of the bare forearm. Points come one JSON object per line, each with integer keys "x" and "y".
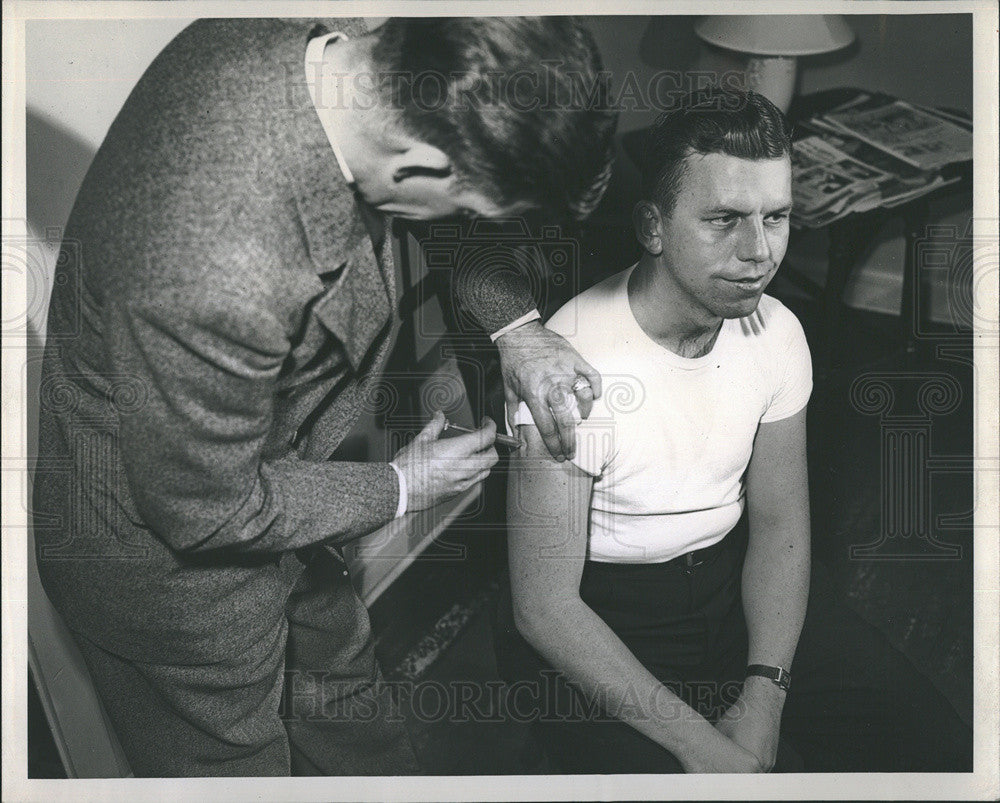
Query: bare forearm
{"x": 775, "y": 578}
{"x": 572, "y": 638}
{"x": 775, "y": 589}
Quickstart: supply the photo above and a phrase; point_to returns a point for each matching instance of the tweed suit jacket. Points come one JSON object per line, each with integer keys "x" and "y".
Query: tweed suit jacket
{"x": 222, "y": 304}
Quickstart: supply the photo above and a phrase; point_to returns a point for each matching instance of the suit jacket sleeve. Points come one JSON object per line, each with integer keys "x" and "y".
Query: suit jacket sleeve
{"x": 494, "y": 298}
{"x": 194, "y": 451}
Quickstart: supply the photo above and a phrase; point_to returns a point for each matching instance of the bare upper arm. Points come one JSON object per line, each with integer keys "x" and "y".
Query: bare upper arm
{"x": 777, "y": 477}
{"x": 548, "y": 508}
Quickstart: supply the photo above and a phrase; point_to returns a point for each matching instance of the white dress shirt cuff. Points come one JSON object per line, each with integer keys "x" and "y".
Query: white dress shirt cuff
{"x": 403, "y": 492}
{"x": 534, "y": 315}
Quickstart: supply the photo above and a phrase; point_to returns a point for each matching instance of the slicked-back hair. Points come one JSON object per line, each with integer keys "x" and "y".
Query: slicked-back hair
{"x": 520, "y": 105}
{"x": 713, "y": 120}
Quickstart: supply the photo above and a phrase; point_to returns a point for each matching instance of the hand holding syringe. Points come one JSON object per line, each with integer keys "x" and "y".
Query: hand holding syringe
{"x": 500, "y": 439}
{"x": 434, "y": 469}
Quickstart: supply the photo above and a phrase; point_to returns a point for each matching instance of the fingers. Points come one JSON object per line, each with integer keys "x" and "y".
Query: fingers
{"x": 484, "y": 459}
{"x": 593, "y": 377}
{"x": 474, "y": 469}
{"x": 465, "y": 468}
{"x": 477, "y": 441}
{"x": 511, "y": 402}
{"x": 432, "y": 431}
{"x": 584, "y": 393}
{"x": 556, "y": 421}
{"x": 546, "y": 425}
{"x": 561, "y": 403}
{"x": 488, "y": 431}
{"x": 478, "y": 478}
{"x": 512, "y": 412}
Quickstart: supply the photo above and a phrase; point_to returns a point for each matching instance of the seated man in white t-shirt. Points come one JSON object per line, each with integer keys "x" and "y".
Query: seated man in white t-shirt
{"x": 664, "y": 571}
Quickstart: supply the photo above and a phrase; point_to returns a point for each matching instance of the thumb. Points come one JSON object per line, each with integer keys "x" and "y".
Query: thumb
{"x": 511, "y": 402}
{"x": 432, "y": 431}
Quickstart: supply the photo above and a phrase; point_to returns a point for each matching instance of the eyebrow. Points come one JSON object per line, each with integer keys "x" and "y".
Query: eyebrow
{"x": 725, "y": 210}
{"x": 728, "y": 210}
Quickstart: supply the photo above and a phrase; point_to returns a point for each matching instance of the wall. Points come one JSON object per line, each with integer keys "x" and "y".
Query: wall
{"x": 926, "y": 59}
{"x": 922, "y": 58}
{"x": 78, "y": 74}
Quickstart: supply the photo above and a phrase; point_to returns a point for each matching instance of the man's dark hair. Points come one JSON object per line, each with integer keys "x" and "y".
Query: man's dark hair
{"x": 519, "y": 104}
{"x": 712, "y": 120}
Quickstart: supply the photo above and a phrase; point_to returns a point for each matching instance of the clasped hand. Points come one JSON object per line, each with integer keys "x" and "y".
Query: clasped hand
{"x": 745, "y": 739}
{"x": 753, "y": 722}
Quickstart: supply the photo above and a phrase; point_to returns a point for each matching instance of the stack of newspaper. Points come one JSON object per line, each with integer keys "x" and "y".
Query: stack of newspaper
{"x": 872, "y": 152}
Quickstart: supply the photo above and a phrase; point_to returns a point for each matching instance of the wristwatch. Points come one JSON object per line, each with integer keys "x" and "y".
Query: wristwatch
{"x": 778, "y": 676}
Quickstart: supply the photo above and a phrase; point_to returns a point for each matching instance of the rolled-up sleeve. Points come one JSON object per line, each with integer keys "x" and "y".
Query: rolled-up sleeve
{"x": 193, "y": 450}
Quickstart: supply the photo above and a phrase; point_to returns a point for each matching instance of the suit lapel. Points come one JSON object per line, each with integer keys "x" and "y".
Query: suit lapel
{"x": 358, "y": 304}
{"x": 350, "y": 250}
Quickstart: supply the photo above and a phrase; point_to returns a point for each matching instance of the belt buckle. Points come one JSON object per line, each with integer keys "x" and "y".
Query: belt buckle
{"x": 690, "y": 562}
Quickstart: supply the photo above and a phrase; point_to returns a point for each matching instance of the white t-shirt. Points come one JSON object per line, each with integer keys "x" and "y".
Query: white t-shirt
{"x": 670, "y": 439}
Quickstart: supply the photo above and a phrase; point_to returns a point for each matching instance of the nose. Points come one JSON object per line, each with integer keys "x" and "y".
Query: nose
{"x": 753, "y": 244}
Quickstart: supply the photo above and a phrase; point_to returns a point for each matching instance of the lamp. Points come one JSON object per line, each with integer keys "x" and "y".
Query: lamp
{"x": 773, "y": 42}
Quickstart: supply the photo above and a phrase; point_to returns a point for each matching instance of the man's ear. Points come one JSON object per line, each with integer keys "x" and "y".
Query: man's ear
{"x": 418, "y": 159}
{"x": 648, "y": 223}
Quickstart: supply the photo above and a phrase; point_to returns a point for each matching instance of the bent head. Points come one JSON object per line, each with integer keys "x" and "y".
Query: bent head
{"x": 503, "y": 115}
{"x": 717, "y": 198}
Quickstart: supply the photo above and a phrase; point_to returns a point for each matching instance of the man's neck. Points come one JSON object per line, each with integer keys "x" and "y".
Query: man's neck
{"x": 666, "y": 315}
{"x": 348, "y": 109}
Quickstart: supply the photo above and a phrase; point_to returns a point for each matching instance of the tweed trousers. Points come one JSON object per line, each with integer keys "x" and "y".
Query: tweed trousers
{"x": 306, "y": 700}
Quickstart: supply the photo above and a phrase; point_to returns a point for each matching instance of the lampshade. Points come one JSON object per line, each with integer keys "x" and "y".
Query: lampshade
{"x": 776, "y": 34}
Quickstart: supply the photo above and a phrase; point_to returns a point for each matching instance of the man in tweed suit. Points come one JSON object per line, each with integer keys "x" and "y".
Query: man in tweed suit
{"x": 229, "y": 287}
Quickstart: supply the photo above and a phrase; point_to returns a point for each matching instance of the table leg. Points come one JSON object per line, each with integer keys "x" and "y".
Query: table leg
{"x": 840, "y": 260}
{"x": 911, "y": 312}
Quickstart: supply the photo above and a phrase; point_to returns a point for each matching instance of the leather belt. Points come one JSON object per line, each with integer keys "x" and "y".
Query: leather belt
{"x": 690, "y": 560}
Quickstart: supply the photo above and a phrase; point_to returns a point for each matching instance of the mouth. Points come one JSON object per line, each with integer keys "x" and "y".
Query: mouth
{"x": 750, "y": 284}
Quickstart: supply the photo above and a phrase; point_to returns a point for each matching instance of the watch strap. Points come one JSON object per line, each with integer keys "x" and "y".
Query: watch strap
{"x": 781, "y": 678}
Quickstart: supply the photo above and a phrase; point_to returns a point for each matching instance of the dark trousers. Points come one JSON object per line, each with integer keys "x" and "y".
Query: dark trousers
{"x": 306, "y": 700}
{"x": 856, "y": 704}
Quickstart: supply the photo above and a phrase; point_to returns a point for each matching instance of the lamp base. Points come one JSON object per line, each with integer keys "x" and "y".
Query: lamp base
{"x": 773, "y": 77}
